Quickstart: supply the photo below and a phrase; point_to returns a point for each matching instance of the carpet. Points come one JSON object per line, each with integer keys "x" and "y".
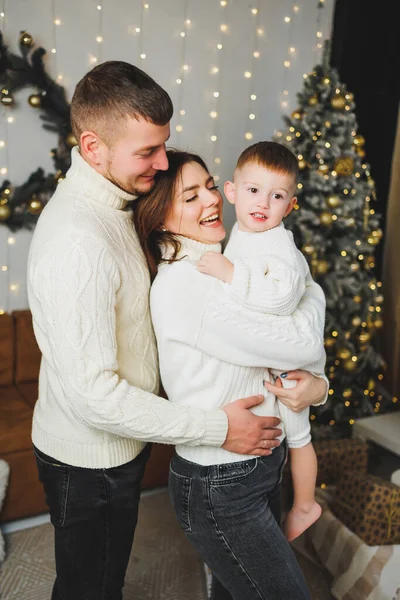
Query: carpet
{"x": 163, "y": 565}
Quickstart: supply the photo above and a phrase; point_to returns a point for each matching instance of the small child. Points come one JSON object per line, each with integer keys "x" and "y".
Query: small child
{"x": 266, "y": 270}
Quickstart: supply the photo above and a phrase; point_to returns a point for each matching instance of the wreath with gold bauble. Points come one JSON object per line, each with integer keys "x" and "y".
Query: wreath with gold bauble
{"x": 20, "y": 206}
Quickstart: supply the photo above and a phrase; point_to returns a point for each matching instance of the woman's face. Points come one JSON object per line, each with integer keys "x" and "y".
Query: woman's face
{"x": 196, "y": 210}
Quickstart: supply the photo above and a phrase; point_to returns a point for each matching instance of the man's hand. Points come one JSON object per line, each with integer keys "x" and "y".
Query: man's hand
{"x": 248, "y": 433}
{"x": 308, "y": 391}
{"x": 217, "y": 265}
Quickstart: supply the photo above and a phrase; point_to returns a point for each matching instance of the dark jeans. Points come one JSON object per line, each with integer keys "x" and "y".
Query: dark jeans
{"x": 94, "y": 514}
{"x": 231, "y": 515}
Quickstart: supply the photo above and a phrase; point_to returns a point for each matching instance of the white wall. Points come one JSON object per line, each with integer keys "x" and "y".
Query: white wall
{"x": 166, "y": 52}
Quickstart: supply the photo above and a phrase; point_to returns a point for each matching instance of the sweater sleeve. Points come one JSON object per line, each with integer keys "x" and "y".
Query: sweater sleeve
{"x": 272, "y": 279}
{"x": 75, "y": 292}
{"x": 197, "y": 310}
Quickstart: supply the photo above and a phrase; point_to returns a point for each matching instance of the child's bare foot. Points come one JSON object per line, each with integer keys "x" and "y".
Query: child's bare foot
{"x": 299, "y": 519}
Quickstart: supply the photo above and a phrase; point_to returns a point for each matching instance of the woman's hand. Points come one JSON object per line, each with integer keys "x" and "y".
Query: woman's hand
{"x": 308, "y": 391}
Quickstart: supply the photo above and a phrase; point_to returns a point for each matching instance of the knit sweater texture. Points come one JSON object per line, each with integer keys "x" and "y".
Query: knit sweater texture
{"x": 88, "y": 288}
{"x": 215, "y": 342}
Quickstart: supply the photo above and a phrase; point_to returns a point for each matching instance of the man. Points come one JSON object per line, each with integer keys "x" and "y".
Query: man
{"x": 88, "y": 287}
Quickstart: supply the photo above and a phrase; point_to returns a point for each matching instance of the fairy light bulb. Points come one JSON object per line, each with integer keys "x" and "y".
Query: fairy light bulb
{"x": 248, "y": 135}
{"x": 253, "y": 97}
{"x": 216, "y": 94}
{"x": 247, "y": 74}
{"x": 213, "y": 138}
{"x": 213, "y": 114}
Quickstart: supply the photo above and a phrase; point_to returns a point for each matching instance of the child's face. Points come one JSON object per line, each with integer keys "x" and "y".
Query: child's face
{"x": 262, "y": 197}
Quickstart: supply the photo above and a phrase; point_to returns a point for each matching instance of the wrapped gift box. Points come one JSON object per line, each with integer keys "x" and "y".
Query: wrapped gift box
{"x": 358, "y": 571}
{"x": 370, "y": 507}
{"x": 335, "y": 457}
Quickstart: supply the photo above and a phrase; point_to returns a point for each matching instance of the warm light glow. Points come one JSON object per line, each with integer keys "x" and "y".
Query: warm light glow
{"x": 143, "y": 56}
{"x": 3, "y": 170}
{"x": 292, "y": 50}
{"x": 4, "y": 268}
{"x": 254, "y": 11}
{"x": 217, "y": 160}
{"x": 213, "y": 114}
{"x": 183, "y": 34}
{"x": 13, "y": 287}
{"x": 179, "y": 128}
{"x": 253, "y": 97}
{"x": 137, "y": 29}
{"x": 182, "y": 112}
{"x": 219, "y": 46}
{"x": 2, "y": 143}
{"x": 287, "y": 63}
{"x": 99, "y": 39}
{"x": 287, "y": 19}
{"x": 260, "y": 31}
{"x": 247, "y": 74}
{"x": 216, "y": 94}
{"x": 223, "y": 3}
{"x": 214, "y": 70}
{"x": 60, "y": 77}
{"x": 185, "y": 67}
{"x": 252, "y": 116}
{"x": 188, "y": 22}
{"x": 224, "y": 28}
{"x": 248, "y": 136}
{"x": 179, "y": 81}
{"x": 11, "y": 241}
{"x": 99, "y": 7}
{"x": 57, "y": 22}
{"x": 213, "y": 138}
{"x": 93, "y": 59}
{"x": 53, "y": 50}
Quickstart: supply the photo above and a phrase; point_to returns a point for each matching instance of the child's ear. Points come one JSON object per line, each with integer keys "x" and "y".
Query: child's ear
{"x": 290, "y": 206}
{"x": 229, "y": 189}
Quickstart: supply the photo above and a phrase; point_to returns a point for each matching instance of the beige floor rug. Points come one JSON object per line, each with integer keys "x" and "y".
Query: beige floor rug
{"x": 163, "y": 565}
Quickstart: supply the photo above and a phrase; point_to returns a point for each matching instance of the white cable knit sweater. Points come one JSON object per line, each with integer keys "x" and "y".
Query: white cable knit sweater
{"x": 214, "y": 349}
{"x": 88, "y": 287}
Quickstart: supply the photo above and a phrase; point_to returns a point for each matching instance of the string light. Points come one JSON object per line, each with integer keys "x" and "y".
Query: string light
{"x": 287, "y": 63}
{"x": 185, "y": 68}
{"x": 258, "y": 32}
{"x": 99, "y": 37}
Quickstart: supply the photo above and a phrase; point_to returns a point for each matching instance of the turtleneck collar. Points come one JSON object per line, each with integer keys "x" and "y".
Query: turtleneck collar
{"x": 96, "y": 187}
{"x": 191, "y": 249}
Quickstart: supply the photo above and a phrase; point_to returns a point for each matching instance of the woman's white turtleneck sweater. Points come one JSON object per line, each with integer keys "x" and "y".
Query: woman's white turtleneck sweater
{"x": 214, "y": 347}
{"x": 88, "y": 287}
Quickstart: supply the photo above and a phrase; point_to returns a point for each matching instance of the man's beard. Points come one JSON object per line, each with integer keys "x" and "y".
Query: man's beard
{"x": 133, "y": 187}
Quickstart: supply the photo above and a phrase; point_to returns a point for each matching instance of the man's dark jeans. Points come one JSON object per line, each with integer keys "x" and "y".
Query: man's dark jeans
{"x": 231, "y": 515}
{"x": 94, "y": 513}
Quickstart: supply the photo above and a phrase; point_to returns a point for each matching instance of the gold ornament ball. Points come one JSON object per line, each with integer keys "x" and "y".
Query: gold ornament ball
{"x": 344, "y": 166}
{"x": 35, "y": 207}
{"x": 35, "y": 100}
{"x": 322, "y": 267}
{"x": 25, "y": 39}
{"x": 333, "y": 201}
{"x": 364, "y": 337}
{"x": 378, "y": 323}
{"x": 308, "y": 249}
{"x": 302, "y": 164}
{"x": 347, "y": 393}
{"x": 357, "y": 299}
{"x": 297, "y": 114}
{"x": 71, "y": 140}
{"x": 326, "y": 218}
{"x": 7, "y": 100}
{"x": 338, "y": 102}
{"x": 344, "y": 353}
{"x": 356, "y": 321}
{"x": 350, "y": 365}
{"x": 329, "y": 342}
{"x": 313, "y": 100}
{"x": 359, "y": 140}
{"x": 361, "y": 153}
{"x": 5, "y": 212}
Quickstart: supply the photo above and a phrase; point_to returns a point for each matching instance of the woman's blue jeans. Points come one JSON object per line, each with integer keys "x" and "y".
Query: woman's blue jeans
{"x": 231, "y": 515}
{"x": 94, "y": 513}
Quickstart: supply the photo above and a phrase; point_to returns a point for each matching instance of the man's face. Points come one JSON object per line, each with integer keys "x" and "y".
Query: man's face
{"x": 138, "y": 153}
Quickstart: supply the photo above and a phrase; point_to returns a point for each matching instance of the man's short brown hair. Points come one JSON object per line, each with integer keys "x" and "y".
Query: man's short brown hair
{"x": 112, "y": 91}
{"x": 270, "y": 155}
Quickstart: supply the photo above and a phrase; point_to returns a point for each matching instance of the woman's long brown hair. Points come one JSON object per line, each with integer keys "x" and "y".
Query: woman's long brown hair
{"x": 151, "y": 210}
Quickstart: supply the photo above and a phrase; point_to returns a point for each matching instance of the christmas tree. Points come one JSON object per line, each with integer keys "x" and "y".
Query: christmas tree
{"x": 337, "y": 229}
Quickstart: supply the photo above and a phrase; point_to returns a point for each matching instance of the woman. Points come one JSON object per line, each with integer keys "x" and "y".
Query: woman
{"x": 212, "y": 351}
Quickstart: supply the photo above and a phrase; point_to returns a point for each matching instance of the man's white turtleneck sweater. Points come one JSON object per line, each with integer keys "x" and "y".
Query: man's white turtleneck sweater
{"x": 214, "y": 347}
{"x": 88, "y": 287}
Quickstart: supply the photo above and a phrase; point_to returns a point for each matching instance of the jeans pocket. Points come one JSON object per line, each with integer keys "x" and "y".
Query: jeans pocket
{"x": 232, "y": 472}
{"x": 180, "y": 488}
{"x": 55, "y": 479}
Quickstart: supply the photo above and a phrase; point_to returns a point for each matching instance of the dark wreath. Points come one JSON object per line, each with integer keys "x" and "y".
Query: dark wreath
{"x": 21, "y": 205}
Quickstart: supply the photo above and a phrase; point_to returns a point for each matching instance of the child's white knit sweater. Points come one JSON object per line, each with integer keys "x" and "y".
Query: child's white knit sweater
{"x": 214, "y": 349}
{"x": 270, "y": 275}
{"x": 88, "y": 286}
